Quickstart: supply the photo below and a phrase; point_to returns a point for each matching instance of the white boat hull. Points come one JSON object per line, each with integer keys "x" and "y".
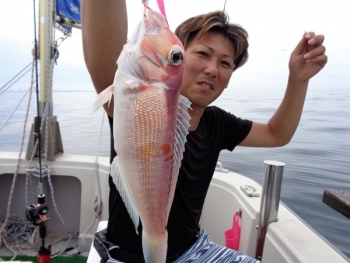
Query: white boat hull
{"x": 287, "y": 240}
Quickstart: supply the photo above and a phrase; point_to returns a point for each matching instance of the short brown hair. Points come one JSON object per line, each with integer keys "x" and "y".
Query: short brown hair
{"x": 218, "y": 22}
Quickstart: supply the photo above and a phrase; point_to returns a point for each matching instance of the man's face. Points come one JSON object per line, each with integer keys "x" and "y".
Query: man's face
{"x": 209, "y": 66}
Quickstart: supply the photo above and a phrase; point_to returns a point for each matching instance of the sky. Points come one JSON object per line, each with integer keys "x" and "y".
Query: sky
{"x": 274, "y": 27}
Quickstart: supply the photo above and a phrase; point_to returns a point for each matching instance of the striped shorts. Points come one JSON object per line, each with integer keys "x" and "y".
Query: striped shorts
{"x": 204, "y": 250}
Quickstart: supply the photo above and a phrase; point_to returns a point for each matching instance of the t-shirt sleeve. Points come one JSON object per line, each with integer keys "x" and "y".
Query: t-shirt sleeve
{"x": 235, "y": 130}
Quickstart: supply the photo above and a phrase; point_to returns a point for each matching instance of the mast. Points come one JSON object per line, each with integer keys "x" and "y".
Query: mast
{"x": 51, "y": 142}
{"x": 46, "y": 44}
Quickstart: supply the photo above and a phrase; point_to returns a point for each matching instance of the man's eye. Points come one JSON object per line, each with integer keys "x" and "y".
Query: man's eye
{"x": 227, "y": 64}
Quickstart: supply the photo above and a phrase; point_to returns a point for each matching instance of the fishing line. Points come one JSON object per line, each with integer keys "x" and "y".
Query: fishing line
{"x": 273, "y": 47}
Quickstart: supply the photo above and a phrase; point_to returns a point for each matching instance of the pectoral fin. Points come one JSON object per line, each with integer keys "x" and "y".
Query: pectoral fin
{"x": 103, "y": 97}
{"x": 132, "y": 85}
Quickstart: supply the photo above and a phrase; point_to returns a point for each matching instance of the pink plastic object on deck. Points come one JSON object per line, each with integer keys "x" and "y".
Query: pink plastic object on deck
{"x": 232, "y": 236}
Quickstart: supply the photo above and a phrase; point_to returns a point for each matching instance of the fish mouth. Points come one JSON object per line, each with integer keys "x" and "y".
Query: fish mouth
{"x": 206, "y": 84}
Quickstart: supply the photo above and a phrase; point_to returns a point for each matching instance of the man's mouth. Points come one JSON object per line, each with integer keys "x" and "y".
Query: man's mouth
{"x": 209, "y": 87}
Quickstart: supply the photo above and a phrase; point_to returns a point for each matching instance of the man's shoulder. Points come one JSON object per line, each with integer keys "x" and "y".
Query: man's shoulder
{"x": 216, "y": 111}
{"x": 213, "y": 109}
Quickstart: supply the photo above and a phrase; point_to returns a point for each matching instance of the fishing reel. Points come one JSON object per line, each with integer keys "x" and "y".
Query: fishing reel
{"x": 37, "y": 213}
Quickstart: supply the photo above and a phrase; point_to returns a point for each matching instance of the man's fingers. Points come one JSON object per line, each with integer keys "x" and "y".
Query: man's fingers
{"x": 321, "y": 60}
{"x": 307, "y": 36}
{"x": 318, "y": 51}
{"x": 308, "y": 42}
{"x": 316, "y": 40}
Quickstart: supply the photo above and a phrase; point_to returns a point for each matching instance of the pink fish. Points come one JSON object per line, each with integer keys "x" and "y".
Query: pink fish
{"x": 150, "y": 127}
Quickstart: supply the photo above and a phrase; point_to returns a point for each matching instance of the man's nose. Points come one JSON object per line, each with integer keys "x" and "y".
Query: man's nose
{"x": 211, "y": 68}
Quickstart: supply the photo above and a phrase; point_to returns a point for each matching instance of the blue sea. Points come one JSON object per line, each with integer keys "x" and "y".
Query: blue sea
{"x": 317, "y": 158}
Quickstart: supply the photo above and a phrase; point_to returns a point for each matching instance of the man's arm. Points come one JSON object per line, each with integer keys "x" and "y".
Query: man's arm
{"x": 104, "y": 30}
{"x": 307, "y": 59}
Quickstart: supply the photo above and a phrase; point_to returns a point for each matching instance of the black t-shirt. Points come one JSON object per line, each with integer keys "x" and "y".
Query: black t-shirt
{"x": 217, "y": 130}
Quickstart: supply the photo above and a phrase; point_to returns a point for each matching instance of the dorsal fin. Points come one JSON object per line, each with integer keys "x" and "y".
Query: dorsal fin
{"x": 182, "y": 124}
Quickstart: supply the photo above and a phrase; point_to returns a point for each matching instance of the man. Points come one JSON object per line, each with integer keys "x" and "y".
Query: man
{"x": 214, "y": 49}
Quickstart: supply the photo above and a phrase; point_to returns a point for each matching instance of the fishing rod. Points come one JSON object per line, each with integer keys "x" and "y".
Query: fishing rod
{"x": 37, "y": 213}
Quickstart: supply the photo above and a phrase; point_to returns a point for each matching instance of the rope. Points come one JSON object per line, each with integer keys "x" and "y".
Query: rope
{"x": 56, "y": 209}
{"x": 99, "y": 208}
{"x": 30, "y": 63}
{"x": 19, "y": 234}
{"x": 14, "y": 82}
{"x": 34, "y": 170}
{"x": 42, "y": 170}
{"x": 97, "y": 203}
{"x": 8, "y": 212}
{"x": 5, "y": 122}
{"x": 9, "y": 241}
{"x": 64, "y": 238}
{"x": 62, "y": 39}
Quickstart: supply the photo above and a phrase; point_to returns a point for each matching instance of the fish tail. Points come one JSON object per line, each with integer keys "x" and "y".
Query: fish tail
{"x": 103, "y": 97}
{"x": 155, "y": 247}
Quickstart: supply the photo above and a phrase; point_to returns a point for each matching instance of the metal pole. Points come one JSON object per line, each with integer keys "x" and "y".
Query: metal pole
{"x": 270, "y": 199}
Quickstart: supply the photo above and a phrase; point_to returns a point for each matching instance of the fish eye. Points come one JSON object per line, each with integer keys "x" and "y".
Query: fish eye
{"x": 175, "y": 56}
